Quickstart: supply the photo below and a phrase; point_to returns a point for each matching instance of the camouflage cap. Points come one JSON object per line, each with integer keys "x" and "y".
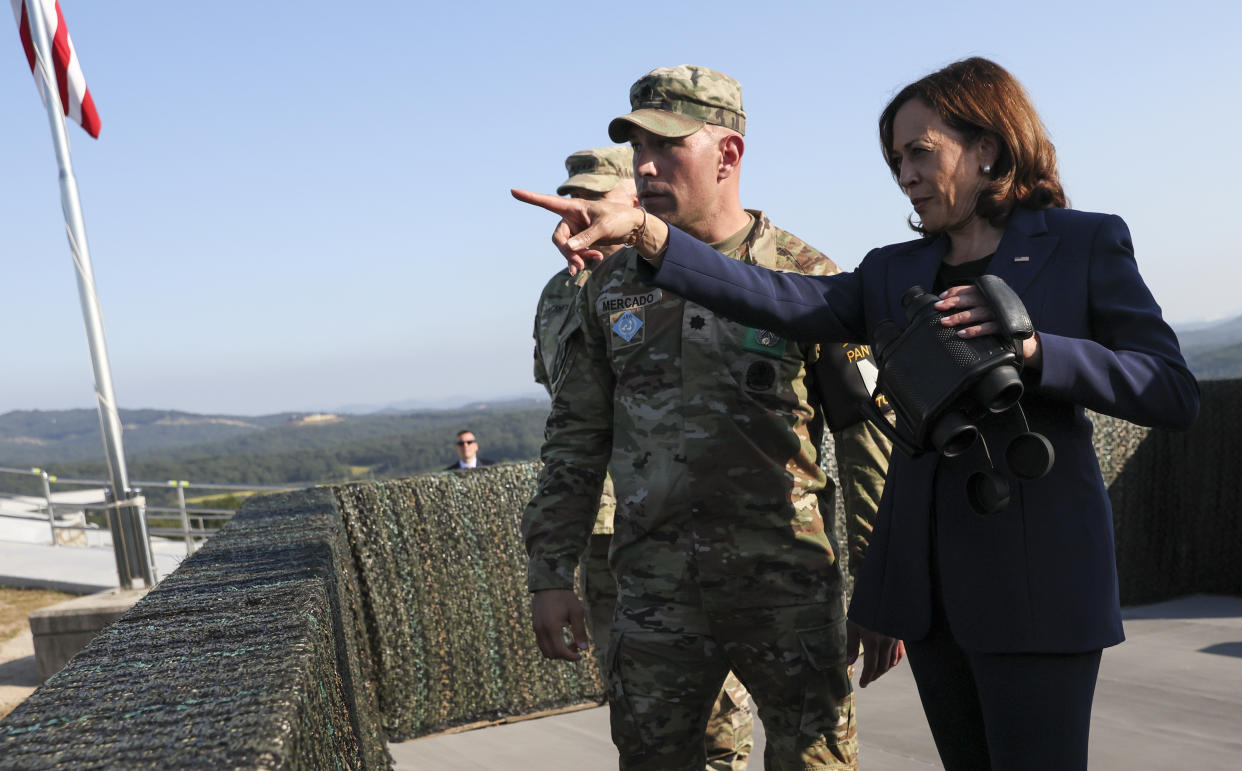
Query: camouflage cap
{"x": 678, "y": 101}
{"x": 598, "y": 170}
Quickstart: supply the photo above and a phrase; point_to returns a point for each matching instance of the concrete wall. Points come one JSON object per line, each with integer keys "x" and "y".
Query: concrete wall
{"x": 63, "y": 629}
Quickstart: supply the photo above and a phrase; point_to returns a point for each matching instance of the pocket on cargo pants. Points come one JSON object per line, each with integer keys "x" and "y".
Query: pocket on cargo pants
{"x": 661, "y": 688}
{"x": 828, "y": 698}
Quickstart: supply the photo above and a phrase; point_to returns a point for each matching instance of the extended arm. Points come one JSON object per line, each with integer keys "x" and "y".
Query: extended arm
{"x": 799, "y": 307}
{"x": 802, "y": 308}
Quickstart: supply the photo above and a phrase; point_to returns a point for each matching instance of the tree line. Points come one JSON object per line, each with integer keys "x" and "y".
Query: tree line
{"x": 303, "y": 456}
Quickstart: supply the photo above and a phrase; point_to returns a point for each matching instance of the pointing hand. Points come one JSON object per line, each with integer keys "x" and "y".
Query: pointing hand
{"x": 587, "y": 224}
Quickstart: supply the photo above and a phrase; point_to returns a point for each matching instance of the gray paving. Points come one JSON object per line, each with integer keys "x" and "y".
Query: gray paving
{"x": 73, "y": 569}
{"x": 1169, "y": 697}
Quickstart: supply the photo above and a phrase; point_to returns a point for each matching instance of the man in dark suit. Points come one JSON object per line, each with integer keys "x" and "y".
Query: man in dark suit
{"x": 468, "y": 452}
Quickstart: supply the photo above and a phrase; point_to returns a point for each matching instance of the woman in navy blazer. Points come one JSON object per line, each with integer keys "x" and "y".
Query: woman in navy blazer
{"x": 1004, "y": 616}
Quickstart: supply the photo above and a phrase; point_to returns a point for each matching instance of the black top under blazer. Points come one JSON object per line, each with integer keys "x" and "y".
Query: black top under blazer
{"x": 1040, "y": 576}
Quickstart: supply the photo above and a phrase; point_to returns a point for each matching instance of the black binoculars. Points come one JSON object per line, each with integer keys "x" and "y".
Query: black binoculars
{"x": 943, "y": 387}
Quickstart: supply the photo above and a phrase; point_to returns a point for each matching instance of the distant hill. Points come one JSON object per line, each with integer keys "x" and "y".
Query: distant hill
{"x": 1214, "y": 351}
{"x": 42, "y": 437}
{"x": 286, "y": 448}
{"x": 1210, "y": 334}
{"x": 1222, "y": 363}
{"x": 447, "y": 403}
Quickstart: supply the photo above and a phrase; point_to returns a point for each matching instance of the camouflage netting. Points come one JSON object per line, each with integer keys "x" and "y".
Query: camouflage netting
{"x": 251, "y": 655}
{"x": 1177, "y": 500}
{"x": 444, "y": 584}
{"x": 318, "y": 622}
{"x": 828, "y": 461}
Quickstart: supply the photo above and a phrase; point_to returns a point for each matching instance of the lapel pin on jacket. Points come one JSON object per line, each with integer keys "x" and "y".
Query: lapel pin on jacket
{"x": 1023, "y": 258}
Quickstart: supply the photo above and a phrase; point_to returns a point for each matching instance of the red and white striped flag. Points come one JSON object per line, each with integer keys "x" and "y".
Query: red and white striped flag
{"x": 75, "y": 97}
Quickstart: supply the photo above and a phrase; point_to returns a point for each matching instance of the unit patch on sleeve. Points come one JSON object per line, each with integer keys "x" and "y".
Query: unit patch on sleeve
{"x": 765, "y": 342}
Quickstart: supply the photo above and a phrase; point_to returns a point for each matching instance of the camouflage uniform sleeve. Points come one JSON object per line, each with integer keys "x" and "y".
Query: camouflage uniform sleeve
{"x": 862, "y": 451}
{"x": 577, "y": 445}
{"x": 541, "y": 372}
{"x": 862, "y": 464}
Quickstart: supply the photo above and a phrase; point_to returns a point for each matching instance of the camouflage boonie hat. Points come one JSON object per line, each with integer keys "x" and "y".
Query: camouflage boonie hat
{"x": 598, "y": 170}
{"x": 677, "y": 101}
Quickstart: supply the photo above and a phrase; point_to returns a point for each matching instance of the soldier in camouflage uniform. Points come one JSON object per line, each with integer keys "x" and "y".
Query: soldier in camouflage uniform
{"x": 607, "y": 173}
{"x": 721, "y": 555}
{"x": 601, "y": 173}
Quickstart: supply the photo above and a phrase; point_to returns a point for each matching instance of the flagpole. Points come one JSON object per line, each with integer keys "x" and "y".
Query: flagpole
{"x": 126, "y": 520}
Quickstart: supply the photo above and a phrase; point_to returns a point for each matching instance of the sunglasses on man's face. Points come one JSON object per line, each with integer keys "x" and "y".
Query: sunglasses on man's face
{"x": 464, "y": 442}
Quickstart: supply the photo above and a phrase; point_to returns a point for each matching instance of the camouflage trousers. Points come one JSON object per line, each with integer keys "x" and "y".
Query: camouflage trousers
{"x": 662, "y": 686}
{"x": 728, "y": 738}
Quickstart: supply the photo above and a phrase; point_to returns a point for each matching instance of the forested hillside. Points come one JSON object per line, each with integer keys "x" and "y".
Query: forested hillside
{"x": 276, "y": 449}
{"x": 1214, "y": 351}
{"x": 44, "y": 437}
{"x": 1223, "y": 363}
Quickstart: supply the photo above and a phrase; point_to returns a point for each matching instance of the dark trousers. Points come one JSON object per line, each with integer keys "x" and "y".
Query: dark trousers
{"x": 1003, "y": 711}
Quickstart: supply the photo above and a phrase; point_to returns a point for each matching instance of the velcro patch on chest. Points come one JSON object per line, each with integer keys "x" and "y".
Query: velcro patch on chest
{"x": 760, "y": 375}
{"x": 765, "y": 342}
{"x": 611, "y": 304}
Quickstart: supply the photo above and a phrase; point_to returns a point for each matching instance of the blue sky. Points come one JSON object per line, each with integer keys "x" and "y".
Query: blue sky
{"x": 304, "y": 205}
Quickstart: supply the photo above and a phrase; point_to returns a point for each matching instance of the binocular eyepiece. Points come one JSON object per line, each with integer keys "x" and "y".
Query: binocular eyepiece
{"x": 941, "y": 387}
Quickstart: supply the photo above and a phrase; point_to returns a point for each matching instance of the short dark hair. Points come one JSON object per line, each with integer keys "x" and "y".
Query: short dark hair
{"x": 464, "y": 431}
{"x": 977, "y": 97}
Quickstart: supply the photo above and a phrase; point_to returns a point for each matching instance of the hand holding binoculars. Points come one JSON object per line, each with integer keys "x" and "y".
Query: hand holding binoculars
{"x": 943, "y": 387}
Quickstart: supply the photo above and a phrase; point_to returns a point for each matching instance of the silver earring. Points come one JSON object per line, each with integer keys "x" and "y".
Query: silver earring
{"x": 987, "y": 168}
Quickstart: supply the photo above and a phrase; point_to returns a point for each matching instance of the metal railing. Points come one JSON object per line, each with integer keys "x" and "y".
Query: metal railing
{"x": 197, "y": 523}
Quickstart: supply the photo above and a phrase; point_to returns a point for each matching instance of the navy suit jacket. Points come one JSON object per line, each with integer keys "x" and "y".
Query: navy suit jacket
{"x": 1040, "y": 576}
{"x": 456, "y": 465}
